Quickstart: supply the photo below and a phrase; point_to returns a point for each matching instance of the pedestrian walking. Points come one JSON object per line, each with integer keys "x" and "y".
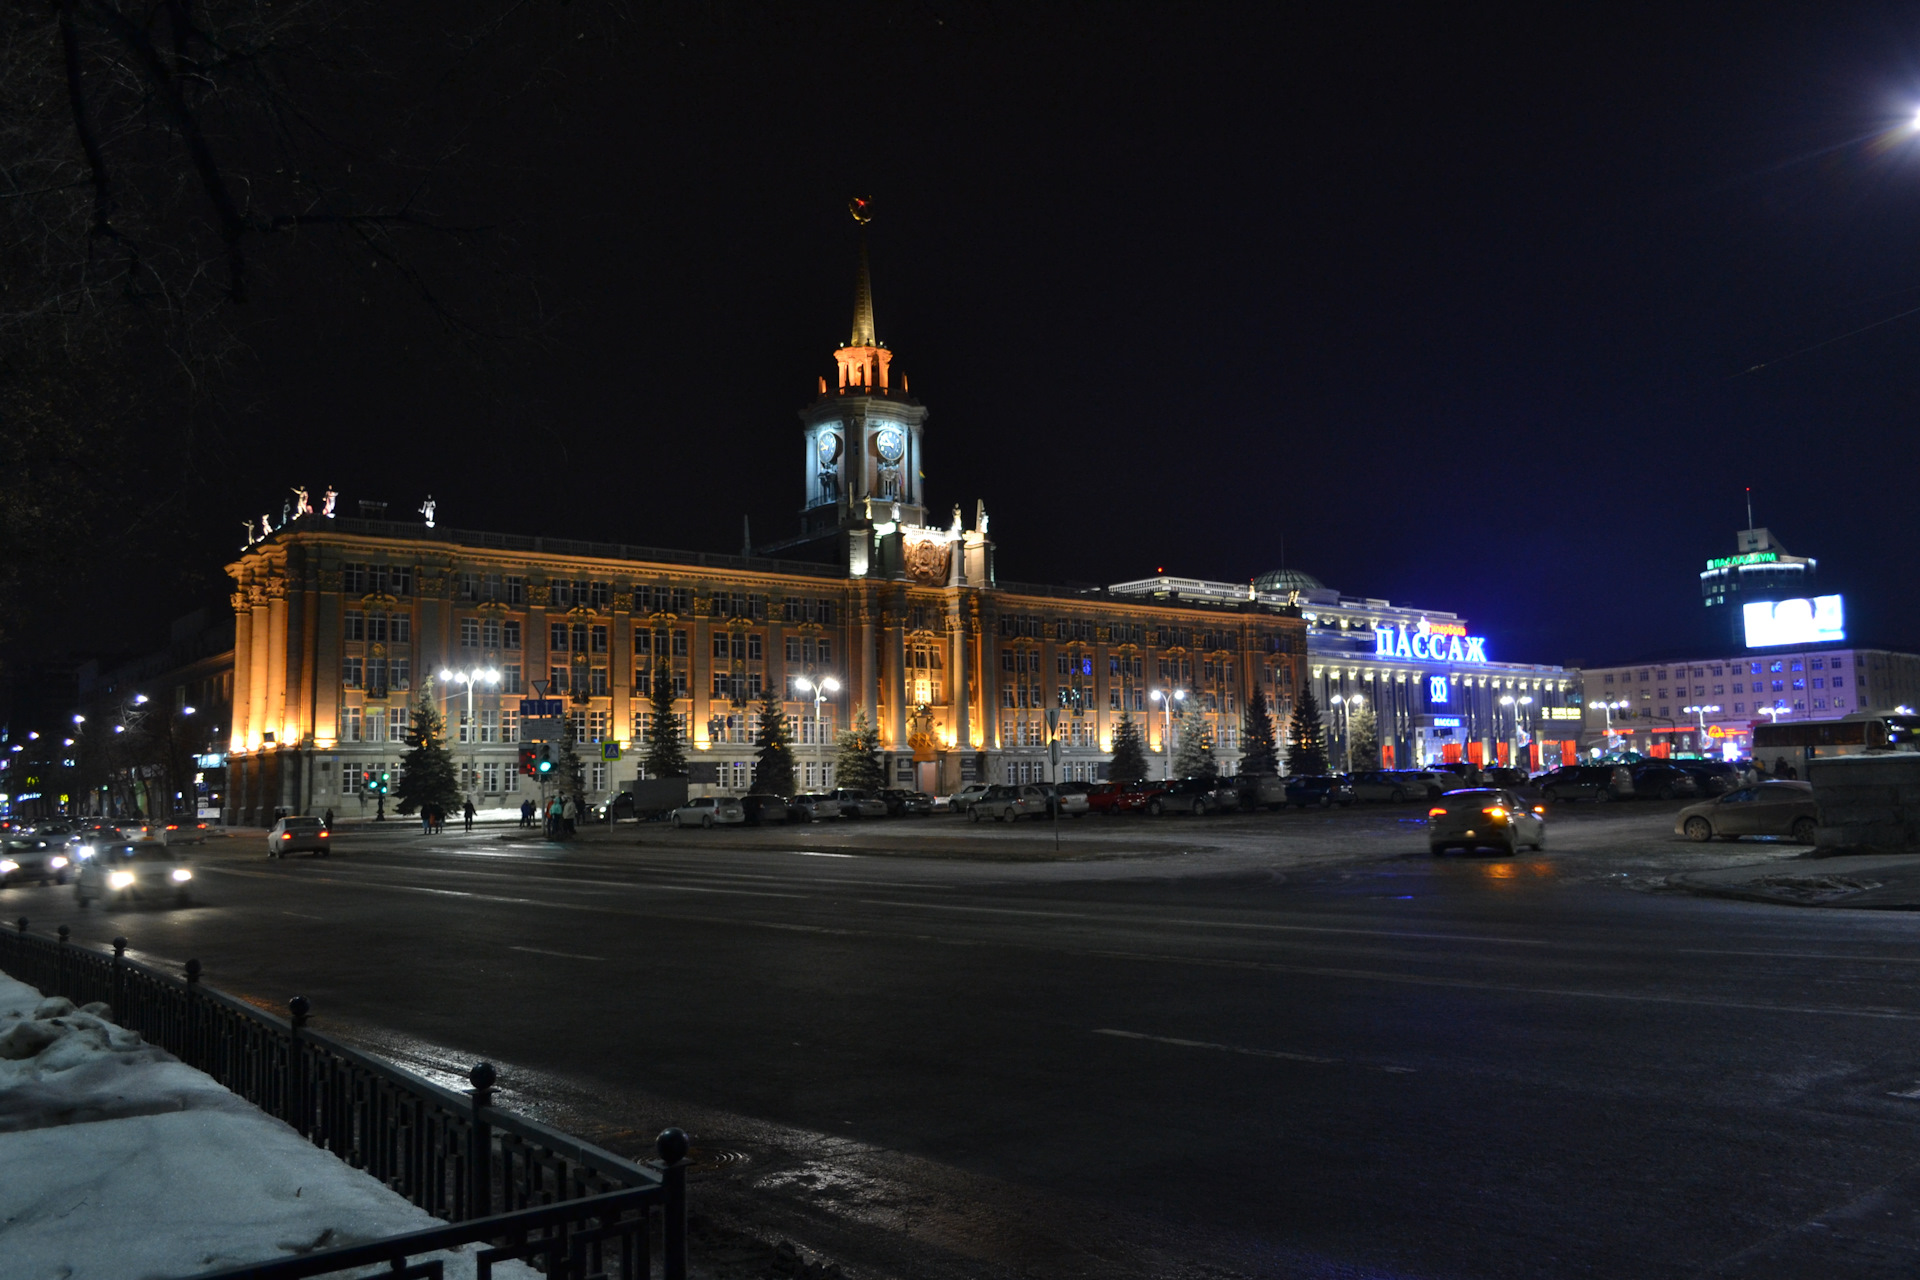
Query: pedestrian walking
{"x": 426, "y": 819}
{"x": 526, "y": 813}
{"x": 326, "y": 820}
{"x": 469, "y": 813}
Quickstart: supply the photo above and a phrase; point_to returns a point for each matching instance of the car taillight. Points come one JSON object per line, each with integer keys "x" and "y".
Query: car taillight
{"x": 1539, "y": 808}
{"x": 287, "y": 836}
{"x": 1436, "y": 812}
{"x": 1495, "y": 812}
{"x": 325, "y": 834}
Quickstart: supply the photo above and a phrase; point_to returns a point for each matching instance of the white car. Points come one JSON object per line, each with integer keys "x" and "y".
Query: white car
{"x": 961, "y": 800}
{"x": 858, "y": 804}
{"x": 709, "y": 811}
{"x": 297, "y": 835}
{"x": 815, "y": 808}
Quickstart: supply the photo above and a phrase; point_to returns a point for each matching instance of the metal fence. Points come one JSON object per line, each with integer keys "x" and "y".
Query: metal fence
{"x": 532, "y": 1191}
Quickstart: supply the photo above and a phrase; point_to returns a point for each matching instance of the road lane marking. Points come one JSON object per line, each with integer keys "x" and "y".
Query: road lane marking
{"x": 564, "y": 955}
{"x": 1222, "y": 1048}
{"x": 302, "y": 915}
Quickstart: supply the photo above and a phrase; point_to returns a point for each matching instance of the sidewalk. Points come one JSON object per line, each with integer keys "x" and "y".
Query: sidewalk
{"x": 1887, "y": 882}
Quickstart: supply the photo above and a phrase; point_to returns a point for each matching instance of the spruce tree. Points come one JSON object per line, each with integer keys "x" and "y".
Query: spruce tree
{"x": 1258, "y": 755}
{"x": 1193, "y": 754}
{"x": 1363, "y": 738}
{"x": 1306, "y": 736}
{"x": 569, "y": 775}
{"x": 857, "y": 767}
{"x": 773, "y": 767}
{"x": 667, "y": 745}
{"x": 427, "y": 775}
{"x": 1129, "y": 751}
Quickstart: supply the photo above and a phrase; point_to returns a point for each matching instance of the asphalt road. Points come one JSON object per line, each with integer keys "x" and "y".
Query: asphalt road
{"x": 1276, "y": 1045}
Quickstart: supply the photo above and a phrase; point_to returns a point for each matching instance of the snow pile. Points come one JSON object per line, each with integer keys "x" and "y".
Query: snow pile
{"x": 118, "y": 1161}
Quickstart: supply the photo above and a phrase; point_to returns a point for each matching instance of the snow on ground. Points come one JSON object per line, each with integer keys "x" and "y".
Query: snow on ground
{"x": 118, "y": 1161}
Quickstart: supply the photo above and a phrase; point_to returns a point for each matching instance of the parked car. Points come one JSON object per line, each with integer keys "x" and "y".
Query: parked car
{"x": 1599, "y": 782}
{"x": 1661, "y": 781}
{"x": 814, "y": 808}
{"x": 1070, "y": 798}
{"x": 902, "y": 803}
{"x": 31, "y": 857}
{"x": 1507, "y": 778}
{"x": 124, "y": 872}
{"x": 1390, "y": 785}
{"x": 1116, "y": 797}
{"x": 1261, "y": 790}
{"x": 1433, "y": 783}
{"x": 1470, "y": 774}
{"x": 1184, "y": 795}
{"x": 298, "y": 835}
{"x": 1005, "y": 803}
{"x": 1760, "y": 809}
{"x": 962, "y": 800}
{"x": 1226, "y": 795}
{"x": 1484, "y": 818}
{"x": 858, "y": 804}
{"x": 709, "y": 811}
{"x": 1325, "y": 790}
{"x": 1712, "y": 777}
{"x": 764, "y": 808}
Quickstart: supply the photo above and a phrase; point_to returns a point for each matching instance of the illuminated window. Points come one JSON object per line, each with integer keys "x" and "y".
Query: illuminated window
{"x": 397, "y": 724}
{"x": 509, "y": 726}
{"x": 490, "y": 633}
{"x": 1779, "y": 685}
{"x": 489, "y": 726}
{"x": 350, "y": 671}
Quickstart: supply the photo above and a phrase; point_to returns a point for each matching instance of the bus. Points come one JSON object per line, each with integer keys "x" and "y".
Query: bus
{"x": 1852, "y": 736}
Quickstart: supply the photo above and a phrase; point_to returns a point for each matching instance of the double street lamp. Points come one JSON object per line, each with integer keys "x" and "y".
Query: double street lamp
{"x": 820, "y": 689}
{"x": 470, "y": 677}
{"x": 1166, "y": 698}
{"x": 1519, "y": 738}
{"x": 1346, "y": 703}
{"x": 1701, "y": 712}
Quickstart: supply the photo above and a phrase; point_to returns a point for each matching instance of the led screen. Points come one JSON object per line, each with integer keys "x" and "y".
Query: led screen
{"x": 1814, "y": 621}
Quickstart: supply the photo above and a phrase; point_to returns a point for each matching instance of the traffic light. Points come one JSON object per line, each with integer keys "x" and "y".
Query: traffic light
{"x": 528, "y": 756}
{"x": 546, "y": 759}
{"x": 385, "y": 777}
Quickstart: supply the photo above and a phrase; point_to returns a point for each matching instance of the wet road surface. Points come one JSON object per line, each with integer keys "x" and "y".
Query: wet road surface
{"x": 1300, "y": 1047}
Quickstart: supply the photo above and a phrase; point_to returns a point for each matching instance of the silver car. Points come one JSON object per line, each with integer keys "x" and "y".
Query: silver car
{"x": 709, "y": 811}
{"x": 858, "y": 804}
{"x": 814, "y": 808}
{"x": 298, "y": 835}
{"x": 1483, "y": 818}
{"x": 1762, "y": 809}
{"x": 1007, "y": 803}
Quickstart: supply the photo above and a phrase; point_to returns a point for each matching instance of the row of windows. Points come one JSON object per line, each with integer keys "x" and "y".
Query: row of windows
{"x": 1738, "y": 668}
{"x": 367, "y": 579}
{"x": 380, "y": 628}
{"x": 376, "y": 674}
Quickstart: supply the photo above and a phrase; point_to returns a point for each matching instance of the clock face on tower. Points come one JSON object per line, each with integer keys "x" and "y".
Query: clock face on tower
{"x": 829, "y": 448}
{"x": 890, "y": 444}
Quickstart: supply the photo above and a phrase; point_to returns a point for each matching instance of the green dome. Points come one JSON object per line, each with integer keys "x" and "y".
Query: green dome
{"x": 1284, "y": 580}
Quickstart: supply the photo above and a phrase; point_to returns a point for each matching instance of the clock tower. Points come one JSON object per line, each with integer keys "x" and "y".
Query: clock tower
{"x": 863, "y": 434}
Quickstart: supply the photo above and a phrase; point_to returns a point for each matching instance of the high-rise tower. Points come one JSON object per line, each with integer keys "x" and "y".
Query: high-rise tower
{"x": 1760, "y": 569}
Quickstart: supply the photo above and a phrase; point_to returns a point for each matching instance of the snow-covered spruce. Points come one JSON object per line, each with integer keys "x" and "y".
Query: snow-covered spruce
{"x": 120, "y": 1162}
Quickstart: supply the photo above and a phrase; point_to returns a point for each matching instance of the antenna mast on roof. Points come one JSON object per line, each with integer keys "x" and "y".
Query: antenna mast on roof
{"x": 1749, "y": 506}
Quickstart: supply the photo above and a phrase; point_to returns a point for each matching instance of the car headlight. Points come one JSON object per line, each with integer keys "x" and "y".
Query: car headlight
{"x": 120, "y": 880}
{"x": 56, "y": 862}
{"x": 181, "y": 875}
{"x": 8, "y": 866}
{"x": 85, "y": 851}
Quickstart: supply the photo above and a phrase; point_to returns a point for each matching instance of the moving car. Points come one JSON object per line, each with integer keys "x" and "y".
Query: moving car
{"x": 1656, "y": 780}
{"x": 1325, "y": 790}
{"x": 1186, "y": 795}
{"x": 709, "y": 811}
{"x": 814, "y": 808}
{"x": 1599, "y": 782}
{"x": 297, "y": 835}
{"x": 1761, "y": 809}
{"x": 1484, "y": 818}
{"x": 26, "y": 858}
{"x": 858, "y": 804}
{"x": 1008, "y": 803}
{"x": 122, "y": 873}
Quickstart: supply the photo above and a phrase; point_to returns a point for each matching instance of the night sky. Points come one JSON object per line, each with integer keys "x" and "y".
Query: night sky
{"x": 1450, "y": 305}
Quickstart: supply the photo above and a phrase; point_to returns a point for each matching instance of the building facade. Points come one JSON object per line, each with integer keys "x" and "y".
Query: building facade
{"x": 1709, "y": 706}
{"x": 1436, "y": 694}
{"x": 343, "y": 625}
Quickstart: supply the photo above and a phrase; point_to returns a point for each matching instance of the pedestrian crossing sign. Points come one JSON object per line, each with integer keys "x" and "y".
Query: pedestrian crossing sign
{"x": 610, "y": 750}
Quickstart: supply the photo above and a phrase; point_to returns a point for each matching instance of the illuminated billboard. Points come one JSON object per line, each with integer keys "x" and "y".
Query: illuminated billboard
{"x": 1814, "y": 621}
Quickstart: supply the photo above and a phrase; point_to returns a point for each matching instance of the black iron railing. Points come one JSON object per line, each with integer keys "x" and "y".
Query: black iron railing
{"x": 455, "y": 1155}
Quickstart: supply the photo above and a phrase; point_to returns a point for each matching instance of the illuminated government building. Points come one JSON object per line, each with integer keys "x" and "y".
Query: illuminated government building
{"x": 343, "y": 623}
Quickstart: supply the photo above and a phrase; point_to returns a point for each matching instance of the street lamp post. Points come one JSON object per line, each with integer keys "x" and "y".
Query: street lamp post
{"x": 1346, "y": 703}
{"x": 1701, "y": 712}
{"x": 470, "y": 677}
{"x": 819, "y": 689}
{"x": 1609, "y": 708}
{"x": 1166, "y": 698}
{"x": 1508, "y": 700}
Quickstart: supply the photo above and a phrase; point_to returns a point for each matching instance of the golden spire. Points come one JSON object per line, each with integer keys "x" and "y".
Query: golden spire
{"x": 863, "y": 336}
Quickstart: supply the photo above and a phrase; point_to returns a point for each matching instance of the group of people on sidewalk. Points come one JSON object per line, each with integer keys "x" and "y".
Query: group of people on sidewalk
{"x": 433, "y": 818}
{"x": 561, "y": 813}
